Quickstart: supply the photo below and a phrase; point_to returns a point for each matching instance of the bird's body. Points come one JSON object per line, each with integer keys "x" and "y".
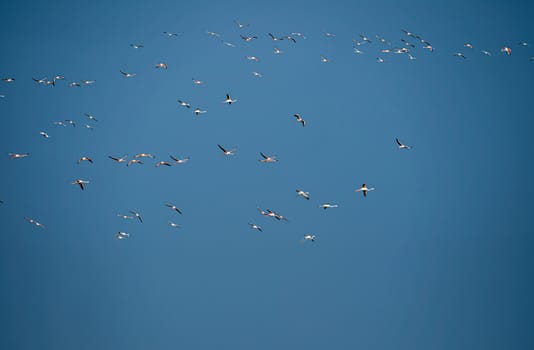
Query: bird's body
{"x": 137, "y": 215}
{"x": 255, "y": 227}
{"x": 364, "y": 190}
{"x": 328, "y": 206}
{"x": 401, "y": 145}
{"x": 303, "y": 194}
{"x": 229, "y": 100}
{"x": 227, "y": 152}
{"x": 267, "y": 159}
{"x": 80, "y": 183}
{"x": 174, "y": 207}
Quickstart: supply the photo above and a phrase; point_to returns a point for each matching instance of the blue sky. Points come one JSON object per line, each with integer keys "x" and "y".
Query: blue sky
{"x": 438, "y": 256}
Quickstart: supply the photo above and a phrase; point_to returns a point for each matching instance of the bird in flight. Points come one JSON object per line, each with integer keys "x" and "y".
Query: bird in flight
{"x": 44, "y": 134}
{"x": 35, "y": 222}
{"x": 180, "y": 161}
{"x": 277, "y": 51}
{"x": 18, "y": 155}
{"x": 257, "y": 75}
{"x": 125, "y": 217}
{"x": 299, "y": 119}
{"x": 329, "y": 35}
{"x": 226, "y": 43}
{"x": 328, "y": 206}
{"x": 87, "y": 82}
{"x": 198, "y": 111}
{"x": 134, "y": 161}
{"x": 122, "y": 235}
{"x": 325, "y": 60}
{"x": 240, "y": 25}
{"x": 401, "y": 145}
{"x": 248, "y": 38}
{"x": 212, "y": 33}
{"x": 85, "y": 159}
{"x": 172, "y": 224}
{"x": 137, "y": 215}
{"x": 227, "y": 152}
{"x": 91, "y": 117}
{"x": 183, "y": 103}
{"x": 8, "y": 80}
{"x": 174, "y": 207}
{"x": 459, "y": 54}
{"x": 506, "y": 50}
{"x": 75, "y": 84}
{"x": 229, "y": 100}
{"x": 267, "y": 159}
{"x": 487, "y": 53}
{"x": 198, "y": 82}
{"x": 364, "y": 189}
{"x": 144, "y": 155}
{"x": 40, "y": 81}
{"x": 160, "y": 163}
{"x": 137, "y": 46}
{"x": 170, "y": 35}
{"x": 80, "y": 183}
{"x": 309, "y": 237}
{"x": 255, "y": 227}
{"x": 161, "y": 65}
{"x": 119, "y": 160}
{"x": 128, "y": 75}
{"x": 303, "y": 194}
{"x": 253, "y": 58}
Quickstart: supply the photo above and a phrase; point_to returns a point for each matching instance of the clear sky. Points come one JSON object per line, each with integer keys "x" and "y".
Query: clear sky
{"x": 439, "y": 256}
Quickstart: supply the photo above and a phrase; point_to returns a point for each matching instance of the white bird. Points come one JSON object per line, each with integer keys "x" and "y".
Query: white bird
{"x": 380, "y": 60}
{"x": 226, "y": 43}
{"x": 125, "y": 217}
{"x": 119, "y": 160}
{"x": 39, "y": 81}
{"x": 459, "y": 54}
{"x": 248, "y": 38}
{"x": 299, "y": 119}
{"x": 468, "y": 45}
{"x": 255, "y": 227}
{"x": 180, "y": 161}
{"x": 303, "y": 194}
{"x": 44, "y": 134}
{"x": 274, "y": 37}
{"x": 267, "y": 159}
{"x": 329, "y": 35}
{"x": 309, "y": 237}
{"x": 328, "y": 205}
{"x": 35, "y": 222}
{"x": 75, "y": 84}
{"x": 18, "y": 155}
{"x": 134, "y": 161}
{"x": 87, "y": 159}
{"x": 212, "y": 33}
{"x": 128, "y": 75}
{"x": 198, "y": 82}
{"x": 163, "y": 163}
{"x": 170, "y": 35}
{"x": 172, "y": 224}
{"x": 227, "y": 152}
{"x": 161, "y": 65}
{"x": 240, "y": 25}
{"x": 122, "y": 235}
{"x": 183, "y": 103}
{"x": 325, "y": 60}
{"x": 174, "y": 207}
{"x": 90, "y": 127}
{"x": 87, "y": 82}
{"x": 364, "y": 189}
{"x": 91, "y": 117}
{"x": 257, "y": 75}
{"x": 144, "y": 155}
{"x": 71, "y": 122}
{"x": 8, "y": 80}
{"x": 356, "y": 51}
{"x": 506, "y": 50}
{"x": 229, "y": 100}
{"x": 487, "y": 53}
{"x": 401, "y": 145}
{"x": 137, "y": 215}
{"x": 80, "y": 183}
{"x": 277, "y": 51}
{"x": 253, "y": 58}
{"x": 137, "y": 46}
{"x": 198, "y": 111}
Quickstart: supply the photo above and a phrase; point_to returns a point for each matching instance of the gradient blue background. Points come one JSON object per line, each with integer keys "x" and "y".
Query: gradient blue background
{"x": 438, "y": 257}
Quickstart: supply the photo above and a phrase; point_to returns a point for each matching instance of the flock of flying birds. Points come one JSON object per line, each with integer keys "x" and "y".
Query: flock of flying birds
{"x": 406, "y": 47}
